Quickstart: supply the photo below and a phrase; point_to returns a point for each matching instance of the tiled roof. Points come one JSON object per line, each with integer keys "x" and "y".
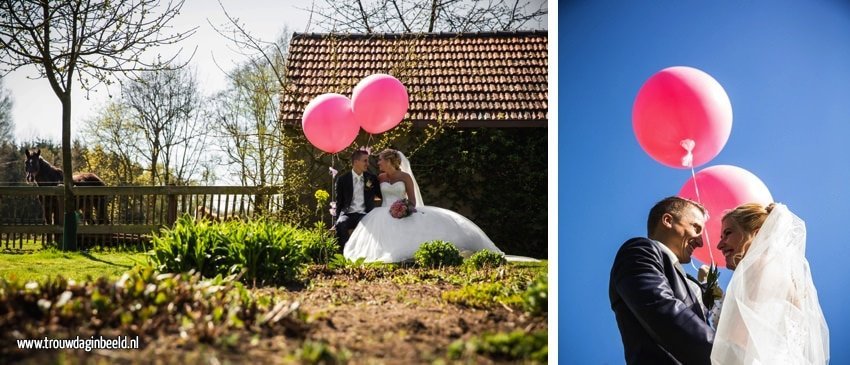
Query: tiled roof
{"x": 479, "y": 79}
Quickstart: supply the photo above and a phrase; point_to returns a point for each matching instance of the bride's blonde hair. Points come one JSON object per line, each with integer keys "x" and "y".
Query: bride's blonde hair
{"x": 391, "y": 155}
{"x": 750, "y": 217}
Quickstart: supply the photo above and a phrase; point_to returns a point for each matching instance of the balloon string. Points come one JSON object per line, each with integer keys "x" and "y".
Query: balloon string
{"x": 333, "y": 191}
{"x": 699, "y": 200}
{"x": 688, "y": 161}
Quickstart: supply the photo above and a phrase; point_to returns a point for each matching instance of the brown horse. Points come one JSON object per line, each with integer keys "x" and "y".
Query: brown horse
{"x": 43, "y": 173}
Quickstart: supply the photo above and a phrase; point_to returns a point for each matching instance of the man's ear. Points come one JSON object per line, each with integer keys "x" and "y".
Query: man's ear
{"x": 667, "y": 220}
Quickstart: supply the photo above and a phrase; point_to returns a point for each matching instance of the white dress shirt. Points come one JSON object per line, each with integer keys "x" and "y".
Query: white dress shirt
{"x": 358, "y": 202}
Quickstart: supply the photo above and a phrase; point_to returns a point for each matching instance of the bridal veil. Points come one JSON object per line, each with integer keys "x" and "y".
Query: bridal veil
{"x": 771, "y": 313}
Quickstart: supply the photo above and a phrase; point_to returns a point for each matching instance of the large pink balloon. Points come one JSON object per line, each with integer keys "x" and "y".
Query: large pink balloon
{"x": 722, "y": 188}
{"x": 329, "y": 123}
{"x": 681, "y": 103}
{"x": 379, "y": 102}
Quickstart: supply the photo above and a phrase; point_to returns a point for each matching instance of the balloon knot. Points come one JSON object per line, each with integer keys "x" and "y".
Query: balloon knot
{"x": 688, "y": 144}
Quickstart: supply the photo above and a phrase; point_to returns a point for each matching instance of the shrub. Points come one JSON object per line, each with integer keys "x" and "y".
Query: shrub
{"x": 437, "y": 254}
{"x": 485, "y": 258}
{"x": 265, "y": 252}
{"x": 516, "y": 345}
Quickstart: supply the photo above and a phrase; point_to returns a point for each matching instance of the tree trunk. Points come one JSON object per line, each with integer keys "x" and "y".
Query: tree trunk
{"x": 69, "y": 239}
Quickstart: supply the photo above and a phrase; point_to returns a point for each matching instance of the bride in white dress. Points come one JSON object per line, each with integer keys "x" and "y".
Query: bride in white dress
{"x": 771, "y": 313}
{"x": 381, "y": 237}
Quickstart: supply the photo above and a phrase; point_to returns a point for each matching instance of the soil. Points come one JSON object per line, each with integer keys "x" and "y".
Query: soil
{"x": 372, "y": 320}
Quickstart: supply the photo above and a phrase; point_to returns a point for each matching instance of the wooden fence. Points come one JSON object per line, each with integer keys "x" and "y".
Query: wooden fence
{"x": 131, "y": 215}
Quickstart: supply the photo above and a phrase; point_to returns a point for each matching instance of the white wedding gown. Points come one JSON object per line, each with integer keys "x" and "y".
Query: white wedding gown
{"x": 771, "y": 313}
{"x": 380, "y": 237}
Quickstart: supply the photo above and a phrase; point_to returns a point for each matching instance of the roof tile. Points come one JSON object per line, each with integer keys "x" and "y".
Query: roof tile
{"x": 474, "y": 78}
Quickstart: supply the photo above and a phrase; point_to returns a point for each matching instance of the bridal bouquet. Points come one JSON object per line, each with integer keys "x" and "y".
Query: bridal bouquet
{"x": 402, "y": 208}
{"x": 708, "y": 276}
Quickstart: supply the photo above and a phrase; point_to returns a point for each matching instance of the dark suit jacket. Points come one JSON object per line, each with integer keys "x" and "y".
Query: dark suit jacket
{"x": 345, "y": 192}
{"x": 660, "y": 320}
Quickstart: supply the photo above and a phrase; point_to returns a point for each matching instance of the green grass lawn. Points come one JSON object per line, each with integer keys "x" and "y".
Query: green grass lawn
{"x": 35, "y": 263}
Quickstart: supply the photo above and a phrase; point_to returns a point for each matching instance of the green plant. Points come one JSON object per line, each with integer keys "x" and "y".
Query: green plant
{"x": 535, "y": 298}
{"x": 483, "y": 295}
{"x": 341, "y": 262}
{"x": 317, "y": 244}
{"x": 437, "y": 253}
{"x": 263, "y": 252}
{"x": 512, "y": 346}
{"x": 312, "y": 352}
{"x": 190, "y": 245}
{"x": 147, "y": 303}
{"x": 484, "y": 258}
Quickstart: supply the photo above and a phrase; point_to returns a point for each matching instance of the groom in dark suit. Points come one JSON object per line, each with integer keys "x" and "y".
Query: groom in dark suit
{"x": 355, "y": 195}
{"x": 658, "y": 306}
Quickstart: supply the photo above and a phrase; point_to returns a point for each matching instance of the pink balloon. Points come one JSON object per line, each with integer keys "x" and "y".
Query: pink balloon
{"x": 678, "y": 104}
{"x": 379, "y": 102}
{"x": 329, "y": 124}
{"x": 722, "y": 188}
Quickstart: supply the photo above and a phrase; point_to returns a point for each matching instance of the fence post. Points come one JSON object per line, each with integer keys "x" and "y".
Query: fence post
{"x": 172, "y": 206}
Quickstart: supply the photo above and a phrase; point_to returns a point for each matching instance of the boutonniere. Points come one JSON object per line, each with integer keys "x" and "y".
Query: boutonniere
{"x": 368, "y": 184}
{"x": 711, "y": 287}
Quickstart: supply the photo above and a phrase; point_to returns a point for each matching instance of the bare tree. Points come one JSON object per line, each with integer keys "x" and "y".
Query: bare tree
{"x": 164, "y": 107}
{"x": 7, "y": 124}
{"x": 395, "y": 16}
{"x": 86, "y": 40}
{"x": 246, "y": 116}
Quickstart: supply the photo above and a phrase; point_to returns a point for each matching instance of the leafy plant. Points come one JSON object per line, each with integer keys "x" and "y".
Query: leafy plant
{"x": 312, "y": 352}
{"x": 190, "y": 245}
{"x": 317, "y": 244}
{"x": 263, "y": 251}
{"x": 437, "y": 253}
{"x": 485, "y": 258}
{"x": 483, "y": 295}
{"x": 146, "y": 303}
{"x": 512, "y": 346}
{"x": 266, "y": 252}
{"x": 536, "y": 297}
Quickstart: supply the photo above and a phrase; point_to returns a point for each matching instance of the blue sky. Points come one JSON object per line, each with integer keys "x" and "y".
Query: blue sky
{"x": 786, "y": 69}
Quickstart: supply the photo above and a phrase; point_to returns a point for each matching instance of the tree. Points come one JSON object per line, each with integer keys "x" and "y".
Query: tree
{"x": 395, "y": 16}
{"x": 7, "y": 124}
{"x": 165, "y": 108}
{"x": 86, "y": 40}
{"x": 246, "y": 119}
{"x": 111, "y": 137}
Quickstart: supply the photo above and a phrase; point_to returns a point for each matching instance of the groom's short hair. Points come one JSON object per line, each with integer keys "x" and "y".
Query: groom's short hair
{"x": 672, "y": 204}
{"x": 357, "y": 153}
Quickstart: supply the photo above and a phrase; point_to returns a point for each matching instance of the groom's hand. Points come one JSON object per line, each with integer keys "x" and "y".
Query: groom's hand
{"x": 702, "y": 273}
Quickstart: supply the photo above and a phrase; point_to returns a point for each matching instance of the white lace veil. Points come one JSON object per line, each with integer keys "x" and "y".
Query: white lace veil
{"x": 771, "y": 313}
{"x": 405, "y": 167}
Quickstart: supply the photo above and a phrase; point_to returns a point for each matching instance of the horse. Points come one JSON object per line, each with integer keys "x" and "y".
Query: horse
{"x": 42, "y": 173}
{"x": 203, "y": 212}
